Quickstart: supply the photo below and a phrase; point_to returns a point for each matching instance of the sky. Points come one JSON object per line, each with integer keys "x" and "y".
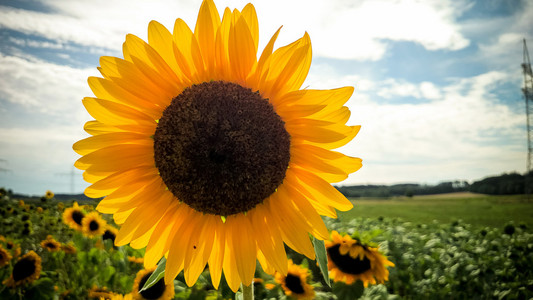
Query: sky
{"x": 437, "y": 83}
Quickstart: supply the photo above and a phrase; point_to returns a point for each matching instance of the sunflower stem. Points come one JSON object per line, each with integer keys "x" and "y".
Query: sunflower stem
{"x": 248, "y": 291}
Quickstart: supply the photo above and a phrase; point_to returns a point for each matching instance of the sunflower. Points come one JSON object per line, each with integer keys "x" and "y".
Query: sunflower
{"x": 349, "y": 260}
{"x": 122, "y": 297}
{"x": 206, "y": 154}
{"x": 295, "y": 282}
{"x": 100, "y": 293}
{"x": 49, "y": 195}
{"x": 160, "y": 290}
{"x": 14, "y": 248}
{"x": 73, "y": 216}
{"x": 5, "y": 257}
{"x": 69, "y": 248}
{"x": 51, "y": 244}
{"x": 110, "y": 233}
{"x": 26, "y": 270}
{"x": 93, "y": 224}
{"x": 137, "y": 260}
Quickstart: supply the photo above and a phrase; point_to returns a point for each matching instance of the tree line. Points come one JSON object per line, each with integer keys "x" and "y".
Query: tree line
{"x": 505, "y": 184}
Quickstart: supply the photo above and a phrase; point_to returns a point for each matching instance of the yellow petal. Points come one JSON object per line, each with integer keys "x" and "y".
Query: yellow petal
{"x": 187, "y": 52}
{"x": 161, "y": 40}
{"x": 205, "y": 31}
{"x": 322, "y": 190}
{"x": 111, "y": 183}
{"x": 241, "y": 48}
{"x": 117, "y": 158}
{"x": 96, "y": 128}
{"x": 108, "y": 90}
{"x": 244, "y": 247}
{"x": 113, "y": 113}
{"x": 217, "y": 254}
{"x": 250, "y": 15}
{"x": 93, "y": 143}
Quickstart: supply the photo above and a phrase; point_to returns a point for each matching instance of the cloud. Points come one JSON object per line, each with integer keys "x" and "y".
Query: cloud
{"x": 43, "y": 87}
{"x": 340, "y": 29}
{"x": 461, "y": 131}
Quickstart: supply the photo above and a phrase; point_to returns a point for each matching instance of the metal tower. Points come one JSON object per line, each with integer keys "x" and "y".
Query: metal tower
{"x": 527, "y": 90}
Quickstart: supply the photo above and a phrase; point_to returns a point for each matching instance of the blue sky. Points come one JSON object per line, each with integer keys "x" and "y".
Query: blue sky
{"x": 437, "y": 83}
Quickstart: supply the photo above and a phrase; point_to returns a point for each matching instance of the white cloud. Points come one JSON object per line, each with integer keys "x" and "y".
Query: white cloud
{"x": 339, "y": 29}
{"x": 44, "y": 87}
{"x": 461, "y": 131}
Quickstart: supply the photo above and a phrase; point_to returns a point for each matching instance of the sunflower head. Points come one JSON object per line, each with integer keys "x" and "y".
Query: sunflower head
{"x": 208, "y": 152}
{"x": 93, "y": 224}
{"x": 100, "y": 293}
{"x": 26, "y": 270}
{"x": 69, "y": 248}
{"x": 49, "y": 195}
{"x": 51, "y": 244}
{"x": 349, "y": 260}
{"x": 5, "y": 256}
{"x": 296, "y": 282}
{"x": 73, "y": 216}
{"x": 160, "y": 290}
{"x": 110, "y": 233}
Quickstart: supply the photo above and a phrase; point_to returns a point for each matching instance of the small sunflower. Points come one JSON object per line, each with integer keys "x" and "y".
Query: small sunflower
{"x": 13, "y": 247}
{"x": 110, "y": 233}
{"x": 51, "y": 244}
{"x": 137, "y": 260}
{"x": 158, "y": 291}
{"x": 208, "y": 153}
{"x": 73, "y": 216}
{"x": 69, "y": 248}
{"x": 49, "y": 195}
{"x": 93, "y": 224}
{"x": 26, "y": 270}
{"x": 295, "y": 282}
{"x": 349, "y": 260}
{"x": 122, "y": 297}
{"x": 5, "y": 257}
{"x": 100, "y": 293}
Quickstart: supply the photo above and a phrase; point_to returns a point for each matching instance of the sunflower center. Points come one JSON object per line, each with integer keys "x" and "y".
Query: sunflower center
{"x": 50, "y": 245}
{"x": 221, "y": 148}
{"x": 24, "y": 268}
{"x": 294, "y": 284}
{"x": 153, "y": 292}
{"x": 108, "y": 235}
{"x": 348, "y": 264}
{"x": 93, "y": 225}
{"x": 77, "y": 216}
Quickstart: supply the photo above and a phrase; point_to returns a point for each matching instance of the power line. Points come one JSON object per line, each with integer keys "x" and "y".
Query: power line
{"x": 527, "y": 90}
{"x": 72, "y": 175}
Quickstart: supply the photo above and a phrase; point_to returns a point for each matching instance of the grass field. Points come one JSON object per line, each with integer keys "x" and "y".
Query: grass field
{"x": 474, "y": 209}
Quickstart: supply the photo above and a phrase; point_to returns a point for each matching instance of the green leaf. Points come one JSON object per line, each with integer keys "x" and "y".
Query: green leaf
{"x": 156, "y": 275}
{"x": 322, "y": 259}
{"x": 352, "y": 291}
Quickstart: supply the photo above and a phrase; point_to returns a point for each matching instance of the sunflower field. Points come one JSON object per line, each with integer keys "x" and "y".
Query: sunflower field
{"x": 64, "y": 250}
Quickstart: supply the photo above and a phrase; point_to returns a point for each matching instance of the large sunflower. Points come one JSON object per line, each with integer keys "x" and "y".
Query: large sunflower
{"x": 26, "y": 270}
{"x": 73, "y": 216}
{"x": 209, "y": 155}
{"x": 159, "y": 290}
{"x": 349, "y": 260}
{"x": 295, "y": 282}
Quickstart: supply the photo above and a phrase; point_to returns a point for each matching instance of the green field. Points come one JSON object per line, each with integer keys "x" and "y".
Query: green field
{"x": 474, "y": 209}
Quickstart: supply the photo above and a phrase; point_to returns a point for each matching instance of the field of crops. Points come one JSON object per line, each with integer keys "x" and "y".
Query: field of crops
{"x": 435, "y": 257}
